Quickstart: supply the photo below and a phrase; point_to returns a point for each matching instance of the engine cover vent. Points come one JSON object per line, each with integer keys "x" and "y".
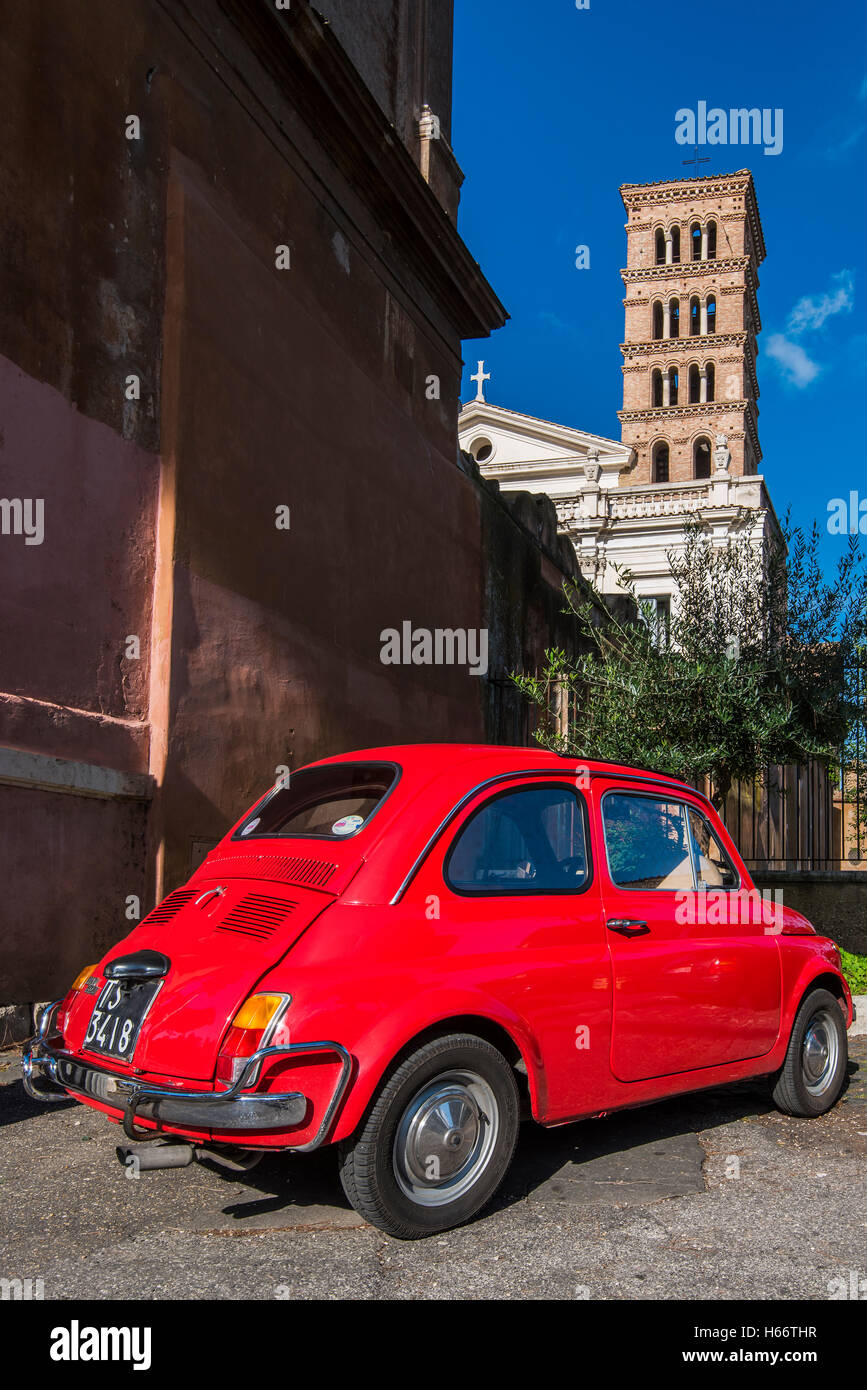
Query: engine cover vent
{"x": 306, "y": 873}
{"x": 258, "y": 916}
{"x": 170, "y": 906}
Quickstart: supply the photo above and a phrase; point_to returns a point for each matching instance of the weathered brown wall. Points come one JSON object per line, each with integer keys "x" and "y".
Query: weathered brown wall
{"x": 261, "y": 387}
{"x": 66, "y": 873}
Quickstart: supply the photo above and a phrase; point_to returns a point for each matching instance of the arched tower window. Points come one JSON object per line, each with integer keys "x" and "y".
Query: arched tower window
{"x": 701, "y": 458}
{"x": 675, "y": 244}
{"x": 711, "y": 240}
{"x": 694, "y": 384}
{"x": 711, "y": 313}
{"x": 656, "y": 327}
{"x": 695, "y": 238}
{"x": 672, "y": 385}
{"x": 694, "y": 316}
{"x": 660, "y": 462}
{"x": 710, "y": 371}
{"x": 656, "y": 387}
{"x": 660, "y": 246}
{"x": 674, "y": 317}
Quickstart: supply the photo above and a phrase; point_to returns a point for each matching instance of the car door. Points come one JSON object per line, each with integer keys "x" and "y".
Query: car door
{"x": 696, "y": 980}
{"x": 514, "y": 885}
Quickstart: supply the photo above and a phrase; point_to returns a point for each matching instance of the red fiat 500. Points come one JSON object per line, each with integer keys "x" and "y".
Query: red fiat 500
{"x": 404, "y": 951}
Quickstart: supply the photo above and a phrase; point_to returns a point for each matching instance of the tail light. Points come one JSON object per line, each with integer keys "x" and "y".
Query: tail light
{"x": 251, "y": 1029}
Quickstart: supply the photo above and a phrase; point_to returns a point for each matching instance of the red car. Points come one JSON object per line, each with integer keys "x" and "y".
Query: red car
{"x": 404, "y": 951}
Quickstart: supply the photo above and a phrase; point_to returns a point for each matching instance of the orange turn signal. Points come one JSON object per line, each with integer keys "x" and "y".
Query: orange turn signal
{"x": 258, "y": 1010}
{"x": 81, "y": 977}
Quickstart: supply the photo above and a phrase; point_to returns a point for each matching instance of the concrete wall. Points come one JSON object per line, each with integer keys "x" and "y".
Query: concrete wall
{"x": 835, "y": 902}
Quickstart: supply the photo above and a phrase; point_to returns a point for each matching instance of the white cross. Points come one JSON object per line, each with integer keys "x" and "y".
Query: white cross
{"x": 481, "y": 377}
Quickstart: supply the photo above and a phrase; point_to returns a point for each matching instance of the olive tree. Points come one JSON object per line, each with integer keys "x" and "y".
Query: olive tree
{"x": 748, "y": 672}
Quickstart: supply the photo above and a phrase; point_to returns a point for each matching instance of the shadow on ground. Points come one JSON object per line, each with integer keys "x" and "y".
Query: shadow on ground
{"x": 630, "y": 1158}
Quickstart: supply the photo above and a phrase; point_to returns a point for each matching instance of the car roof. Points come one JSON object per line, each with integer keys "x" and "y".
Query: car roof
{"x": 430, "y": 758}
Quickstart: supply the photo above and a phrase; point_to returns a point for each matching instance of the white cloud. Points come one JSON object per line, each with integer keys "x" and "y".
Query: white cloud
{"x": 792, "y": 360}
{"x": 553, "y": 321}
{"x": 846, "y": 146}
{"x": 810, "y": 314}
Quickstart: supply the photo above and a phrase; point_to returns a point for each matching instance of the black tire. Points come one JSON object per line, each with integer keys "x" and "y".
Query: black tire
{"x": 436, "y": 1142}
{"x": 814, "y": 1071}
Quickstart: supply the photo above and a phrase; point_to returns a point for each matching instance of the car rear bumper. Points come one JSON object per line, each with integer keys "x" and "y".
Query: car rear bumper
{"x": 51, "y": 1073}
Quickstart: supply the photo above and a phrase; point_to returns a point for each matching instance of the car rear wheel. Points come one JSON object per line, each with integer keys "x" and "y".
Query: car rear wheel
{"x": 437, "y": 1141}
{"x": 814, "y": 1071}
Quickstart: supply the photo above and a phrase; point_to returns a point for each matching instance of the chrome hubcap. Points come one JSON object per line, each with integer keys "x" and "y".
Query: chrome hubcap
{"x": 819, "y": 1053}
{"x": 445, "y": 1138}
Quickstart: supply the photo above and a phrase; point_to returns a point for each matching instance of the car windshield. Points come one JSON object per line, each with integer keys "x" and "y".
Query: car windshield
{"x": 329, "y": 802}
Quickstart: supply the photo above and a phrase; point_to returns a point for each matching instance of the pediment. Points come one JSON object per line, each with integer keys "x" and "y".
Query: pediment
{"x": 541, "y": 449}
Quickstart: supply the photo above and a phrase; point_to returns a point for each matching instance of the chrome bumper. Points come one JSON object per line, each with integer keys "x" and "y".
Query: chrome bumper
{"x": 233, "y": 1109}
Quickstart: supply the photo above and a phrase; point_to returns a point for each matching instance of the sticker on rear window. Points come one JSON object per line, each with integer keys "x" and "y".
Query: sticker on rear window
{"x": 250, "y": 826}
{"x": 346, "y": 825}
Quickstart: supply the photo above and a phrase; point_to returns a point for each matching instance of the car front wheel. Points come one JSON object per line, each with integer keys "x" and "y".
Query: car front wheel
{"x": 438, "y": 1140}
{"x": 814, "y": 1071}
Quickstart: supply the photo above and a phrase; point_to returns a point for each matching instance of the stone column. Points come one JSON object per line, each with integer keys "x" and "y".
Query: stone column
{"x": 666, "y": 319}
{"x": 704, "y": 243}
{"x": 703, "y": 391}
{"x": 666, "y": 388}
{"x": 668, "y": 248}
{"x": 704, "y": 316}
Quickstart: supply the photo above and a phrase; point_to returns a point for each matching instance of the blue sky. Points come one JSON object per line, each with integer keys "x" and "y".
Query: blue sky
{"x": 555, "y": 107}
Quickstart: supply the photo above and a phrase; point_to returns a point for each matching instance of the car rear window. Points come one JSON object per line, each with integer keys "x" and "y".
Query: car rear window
{"x": 327, "y": 803}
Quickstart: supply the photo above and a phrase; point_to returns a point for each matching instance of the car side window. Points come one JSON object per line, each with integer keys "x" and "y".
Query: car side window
{"x": 646, "y": 841}
{"x": 713, "y": 868}
{"x": 532, "y": 840}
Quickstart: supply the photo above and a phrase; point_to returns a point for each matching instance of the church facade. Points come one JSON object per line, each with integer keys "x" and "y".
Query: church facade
{"x": 689, "y": 442}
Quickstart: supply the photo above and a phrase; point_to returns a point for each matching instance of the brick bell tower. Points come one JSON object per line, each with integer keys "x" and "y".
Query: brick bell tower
{"x": 694, "y": 247}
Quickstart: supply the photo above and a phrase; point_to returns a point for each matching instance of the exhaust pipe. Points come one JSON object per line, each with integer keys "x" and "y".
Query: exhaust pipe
{"x": 233, "y": 1160}
{"x": 142, "y": 1158}
{"x": 171, "y": 1153}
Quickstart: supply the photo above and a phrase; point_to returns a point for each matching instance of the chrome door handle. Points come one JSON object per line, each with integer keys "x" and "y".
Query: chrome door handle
{"x": 627, "y": 926}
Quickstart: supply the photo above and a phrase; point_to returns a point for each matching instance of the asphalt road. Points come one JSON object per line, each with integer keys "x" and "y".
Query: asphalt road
{"x": 714, "y": 1196}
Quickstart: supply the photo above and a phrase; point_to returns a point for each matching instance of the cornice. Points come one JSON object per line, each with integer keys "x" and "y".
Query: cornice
{"x": 680, "y": 412}
{"x": 665, "y": 274}
{"x": 667, "y": 348}
{"x": 483, "y": 414}
{"x": 637, "y": 195}
{"x": 674, "y": 270}
{"x": 696, "y": 340}
{"x": 303, "y": 56}
{"x": 654, "y": 414}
